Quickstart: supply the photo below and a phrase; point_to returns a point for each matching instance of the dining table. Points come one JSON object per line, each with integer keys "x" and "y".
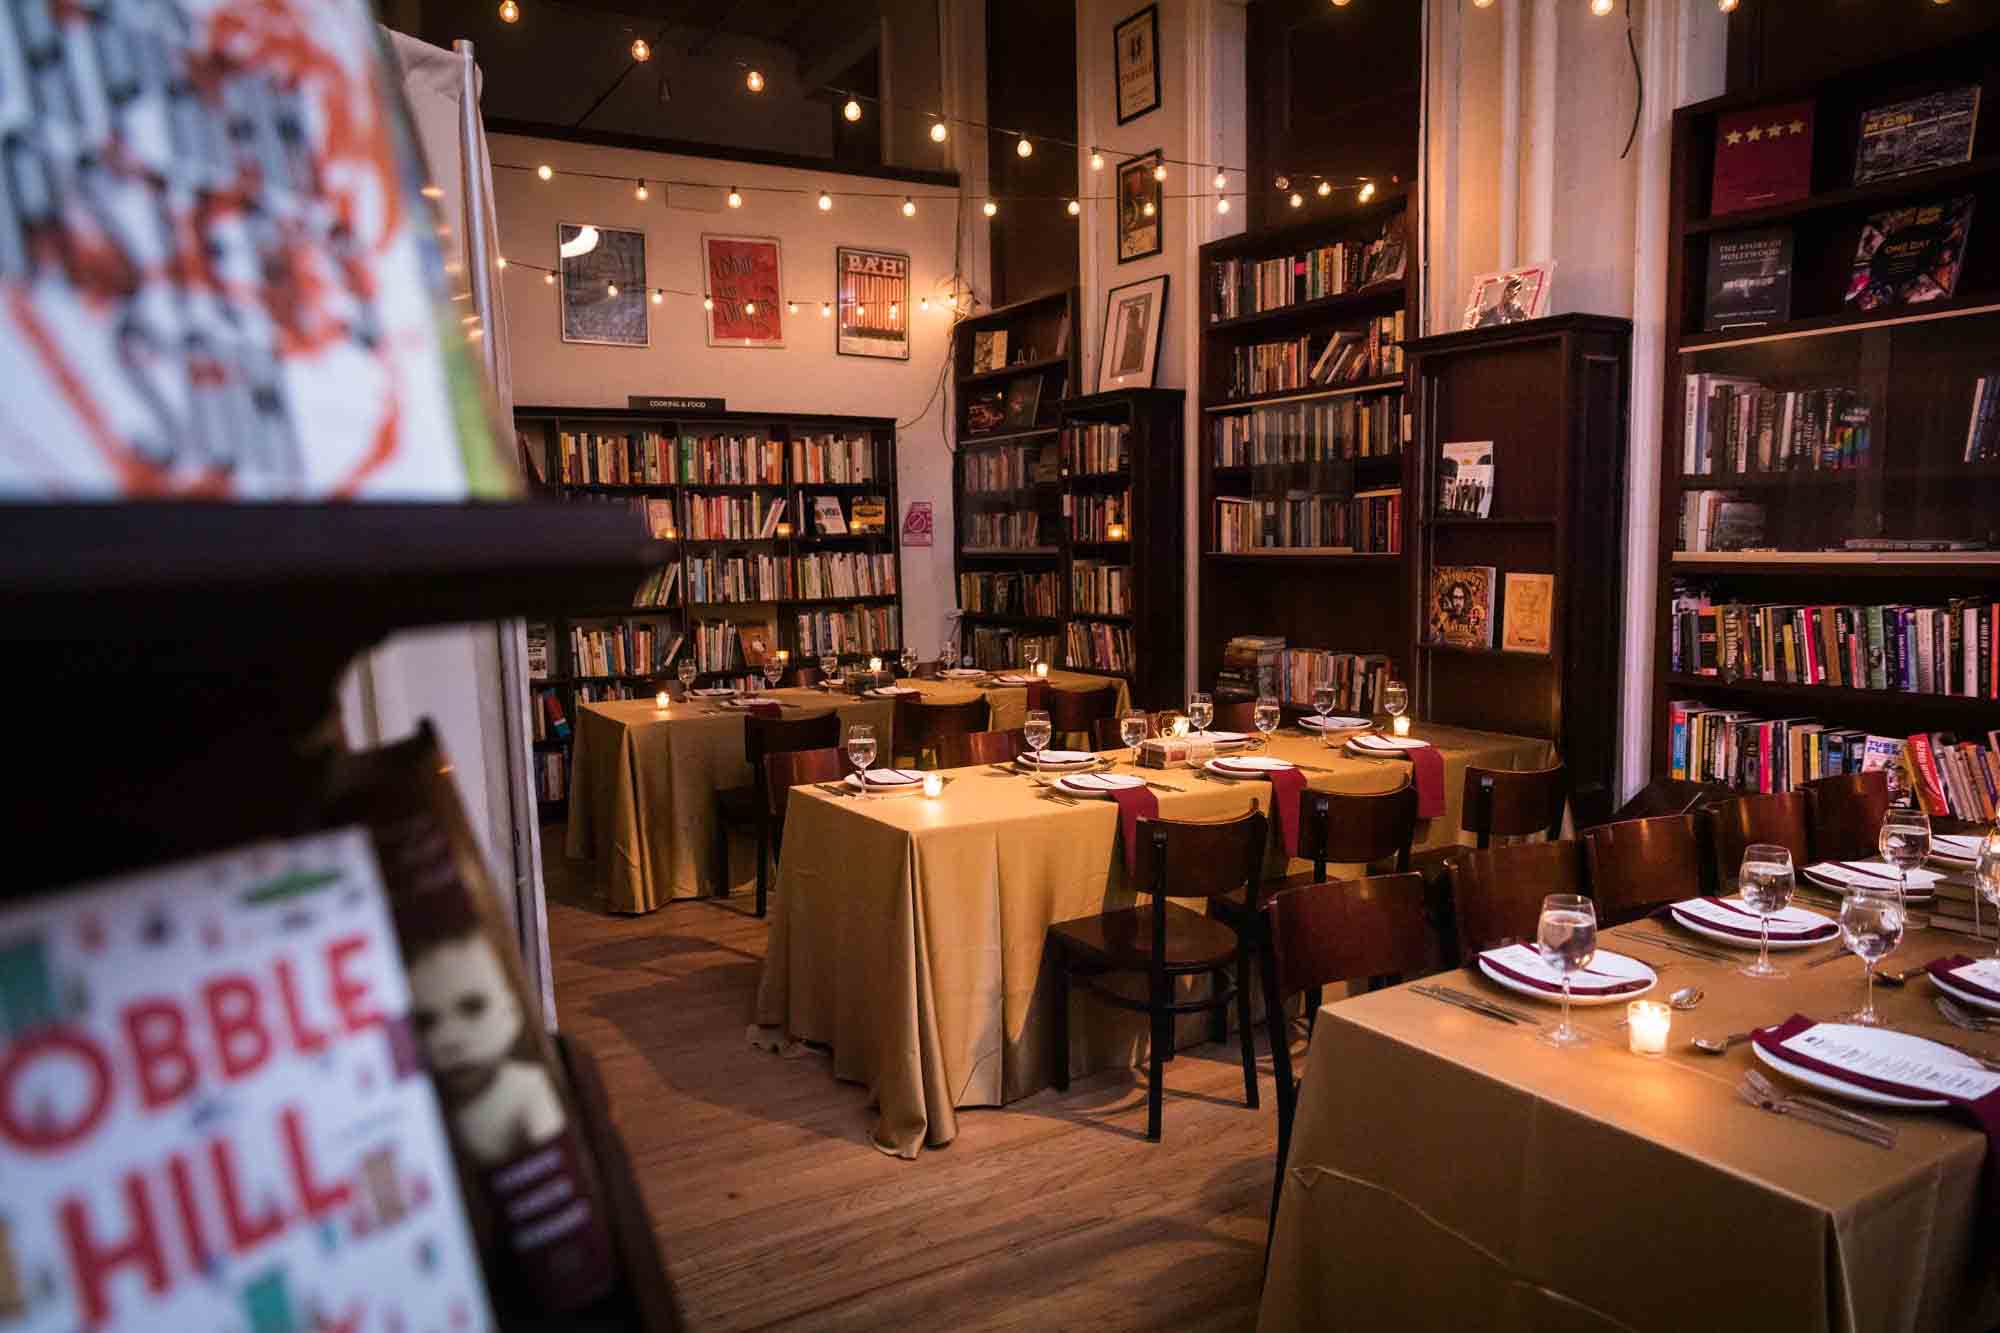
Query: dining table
{"x": 1451, "y": 1171}
{"x": 644, "y": 778}
{"x": 907, "y": 932}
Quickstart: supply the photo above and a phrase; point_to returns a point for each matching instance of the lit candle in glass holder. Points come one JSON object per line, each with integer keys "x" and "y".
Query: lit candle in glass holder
{"x": 670, "y": 535}
{"x": 1114, "y": 532}
{"x": 784, "y": 530}
{"x": 661, "y": 700}
{"x": 933, "y": 785}
{"x": 1646, "y": 1026}
{"x": 1042, "y": 670}
{"x": 874, "y": 665}
{"x": 1401, "y": 726}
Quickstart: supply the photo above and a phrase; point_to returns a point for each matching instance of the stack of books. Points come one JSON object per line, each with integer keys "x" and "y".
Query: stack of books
{"x": 1097, "y": 447}
{"x": 622, "y": 458}
{"x": 1951, "y": 649}
{"x": 1250, "y": 663}
{"x": 1095, "y": 645}
{"x": 634, "y": 648}
{"x": 1357, "y": 678}
{"x": 1369, "y": 426}
{"x": 732, "y": 460}
{"x": 846, "y": 574}
{"x": 1348, "y": 356}
{"x": 832, "y": 460}
{"x": 1100, "y": 589}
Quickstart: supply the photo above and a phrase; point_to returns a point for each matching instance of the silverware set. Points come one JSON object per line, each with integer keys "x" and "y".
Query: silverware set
{"x": 1477, "y": 1004}
{"x": 1959, "y": 1016}
{"x": 1761, "y": 1093}
{"x": 1659, "y": 941}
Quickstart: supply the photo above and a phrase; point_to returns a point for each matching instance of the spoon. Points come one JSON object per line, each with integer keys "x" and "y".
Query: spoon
{"x": 1716, "y": 1046}
{"x": 1687, "y": 997}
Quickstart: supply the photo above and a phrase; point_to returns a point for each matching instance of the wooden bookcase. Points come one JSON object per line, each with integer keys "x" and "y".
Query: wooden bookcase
{"x": 1329, "y": 596}
{"x": 1549, "y": 395}
{"x": 1911, "y": 368}
{"x": 796, "y": 542}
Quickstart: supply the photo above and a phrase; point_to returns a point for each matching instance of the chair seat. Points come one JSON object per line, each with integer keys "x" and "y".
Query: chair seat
{"x": 737, "y": 803}
{"x": 1124, "y": 939}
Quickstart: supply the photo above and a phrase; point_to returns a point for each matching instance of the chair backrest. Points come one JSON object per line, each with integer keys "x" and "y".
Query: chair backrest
{"x": 1079, "y": 710}
{"x": 933, "y": 721}
{"x": 980, "y": 747}
{"x": 1783, "y": 818}
{"x": 1847, "y": 814}
{"x": 1638, "y": 864}
{"x": 774, "y": 735}
{"x": 1036, "y": 694}
{"x": 1345, "y": 929}
{"x": 1497, "y": 894}
{"x": 803, "y": 677}
{"x": 1234, "y": 715}
{"x": 1341, "y": 828}
{"x": 1206, "y": 859}
{"x": 930, "y": 670}
{"x": 1513, "y": 803}
{"x": 1667, "y": 796}
{"x": 1104, "y": 732}
{"x": 786, "y": 769}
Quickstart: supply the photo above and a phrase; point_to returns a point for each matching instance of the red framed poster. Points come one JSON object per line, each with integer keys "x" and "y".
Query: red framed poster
{"x": 745, "y": 286}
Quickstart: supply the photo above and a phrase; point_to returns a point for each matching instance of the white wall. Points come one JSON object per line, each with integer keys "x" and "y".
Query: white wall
{"x": 803, "y": 376}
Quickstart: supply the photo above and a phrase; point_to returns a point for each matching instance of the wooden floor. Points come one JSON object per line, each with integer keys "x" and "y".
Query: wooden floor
{"x": 774, "y": 1210}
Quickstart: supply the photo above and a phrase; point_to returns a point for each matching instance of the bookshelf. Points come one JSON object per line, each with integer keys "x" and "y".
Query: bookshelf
{"x": 1301, "y": 475}
{"x": 1789, "y": 444}
{"x": 739, "y": 568}
{"x": 1548, "y": 399}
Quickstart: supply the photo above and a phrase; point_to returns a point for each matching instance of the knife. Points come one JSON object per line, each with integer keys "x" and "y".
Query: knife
{"x": 1431, "y": 993}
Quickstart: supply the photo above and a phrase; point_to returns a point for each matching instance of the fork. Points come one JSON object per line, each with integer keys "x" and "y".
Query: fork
{"x": 1811, "y": 1115}
{"x": 1959, "y": 1016}
{"x": 1760, "y": 1083}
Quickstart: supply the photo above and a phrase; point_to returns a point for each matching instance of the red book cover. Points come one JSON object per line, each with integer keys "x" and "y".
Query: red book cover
{"x": 1930, "y": 785}
{"x": 1763, "y": 157}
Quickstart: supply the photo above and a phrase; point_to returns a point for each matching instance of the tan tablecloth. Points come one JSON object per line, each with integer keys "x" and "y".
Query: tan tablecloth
{"x": 1450, "y": 1172}
{"x": 908, "y": 934}
{"x": 642, "y": 785}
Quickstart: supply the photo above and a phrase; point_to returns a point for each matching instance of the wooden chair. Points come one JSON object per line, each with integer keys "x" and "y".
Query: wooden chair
{"x": 1781, "y": 818}
{"x": 980, "y": 747}
{"x": 1669, "y": 796}
{"x": 787, "y": 769}
{"x": 802, "y": 678}
{"x": 1076, "y": 712}
{"x": 929, "y": 723}
{"x": 1496, "y": 894}
{"x": 1166, "y": 941}
{"x": 1234, "y": 715}
{"x": 1640, "y": 864}
{"x": 1513, "y": 803}
{"x": 1329, "y": 932}
{"x": 1104, "y": 732}
{"x": 1847, "y": 814}
{"x": 740, "y": 807}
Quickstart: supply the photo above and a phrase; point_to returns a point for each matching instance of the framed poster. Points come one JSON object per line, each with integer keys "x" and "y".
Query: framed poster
{"x": 1141, "y": 208}
{"x": 1509, "y": 298}
{"x": 1137, "y": 42}
{"x": 603, "y": 285}
{"x": 1133, "y": 317}
{"x": 745, "y": 284}
{"x": 874, "y": 303}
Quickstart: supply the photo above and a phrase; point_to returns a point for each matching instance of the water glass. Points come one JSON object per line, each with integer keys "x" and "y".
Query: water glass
{"x": 1266, "y": 715}
{"x": 1765, "y": 883}
{"x": 909, "y": 662}
{"x": 1201, "y": 710}
{"x": 861, "y": 749}
{"x": 1395, "y": 698}
{"x": 686, "y": 672}
{"x": 1871, "y": 924}
{"x": 1566, "y": 938}
{"x": 948, "y": 652}
{"x": 1904, "y": 841}
{"x": 773, "y": 669}
{"x": 1031, "y": 653}
{"x": 1323, "y": 701}
{"x": 1036, "y": 731}
{"x": 1132, "y": 730}
{"x": 1986, "y": 874}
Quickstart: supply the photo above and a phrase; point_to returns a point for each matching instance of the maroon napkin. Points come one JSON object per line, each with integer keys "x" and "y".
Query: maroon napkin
{"x": 1134, "y": 804}
{"x": 1427, "y": 766}
{"x": 1286, "y": 786}
{"x": 1618, "y": 986}
{"x": 1942, "y": 967}
{"x": 1818, "y": 934}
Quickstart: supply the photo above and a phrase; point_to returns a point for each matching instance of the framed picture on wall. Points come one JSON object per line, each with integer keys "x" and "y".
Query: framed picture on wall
{"x": 1141, "y": 208}
{"x": 1510, "y": 297}
{"x": 603, "y": 285}
{"x": 1133, "y": 317}
{"x": 745, "y": 284}
{"x": 874, "y": 303}
{"x": 1137, "y": 42}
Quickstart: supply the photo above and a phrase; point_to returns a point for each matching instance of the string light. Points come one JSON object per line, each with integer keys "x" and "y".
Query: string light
{"x": 639, "y": 192}
{"x": 989, "y": 208}
{"x": 791, "y": 307}
{"x": 893, "y": 309}
{"x": 754, "y": 81}
{"x": 641, "y": 52}
{"x": 1221, "y": 180}
{"x": 923, "y": 303}
{"x": 749, "y": 307}
{"x": 1600, "y": 7}
{"x": 549, "y": 279}
{"x": 1325, "y": 188}
{"x": 546, "y": 172}
{"x": 659, "y": 297}
{"x": 909, "y": 207}
{"x": 611, "y": 289}
{"x": 503, "y": 261}
{"x": 509, "y": 12}
{"x": 825, "y": 309}
{"x": 1160, "y": 172}
{"x": 1096, "y": 160}
{"x": 860, "y": 311}
{"x": 1024, "y": 148}
{"x": 735, "y": 198}
{"x": 938, "y": 132}
{"x": 825, "y": 202}
{"x": 1340, "y": 4}
{"x": 1482, "y": 4}
{"x": 852, "y": 110}
{"x": 1296, "y": 200}
{"x": 1149, "y": 209}
{"x": 1367, "y": 191}
{"x": 1222, "y": 204}
{"x": 1074, "y": 207}
{"x": 707, "y": 302}
{"x": 1729, "y": 6}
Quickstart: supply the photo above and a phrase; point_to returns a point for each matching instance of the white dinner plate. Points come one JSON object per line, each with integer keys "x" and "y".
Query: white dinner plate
{"x": 888, "y": 779}
{"x": 1099, "y": 784}
{"x": 893, "y": 691}
{"x": 1812, "y": 1078}
{"x": 1617, "y": 964}
{"x": 715, "y": 692}
{"x": 1923, "y": 883}
{"x": 1056, "y": 759}
{"x": 1248, "y": 765}
{"x": 1376, "y": 744}
{"x": 1012, "y": 679}
{"x": 1964, "y": 996}
{"x": 1791, "y": 915}
{"x": 1335, "y": 723}
{"x": 1227, "y": 737}
{"x": 964, "y": 673}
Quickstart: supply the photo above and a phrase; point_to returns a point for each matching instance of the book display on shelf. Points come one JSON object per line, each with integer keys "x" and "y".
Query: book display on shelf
{"x": 1465, "y": 478}
{"x": 1949, "y": 649}
{"x": 1763, "y": 157}
{"x": 1749, "y": 278}
{"x": 1255, "y": 286}
{"x": 1528, "y": 611}
{"x": 1459, "y": 612}
{"x": 1735, "y": 426}
{"x": 1917, "y": 134}
{"x": 1907, "y": 256}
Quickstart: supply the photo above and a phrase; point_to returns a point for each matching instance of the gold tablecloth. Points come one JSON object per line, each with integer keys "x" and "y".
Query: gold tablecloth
{"x": 907, "y": 934}
{"x": 643, "y": 784}
{"x": 1450, "y": 1172}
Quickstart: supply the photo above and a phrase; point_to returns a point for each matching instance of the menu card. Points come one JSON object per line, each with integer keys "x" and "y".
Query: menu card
{"x": 1892, "y": 1057}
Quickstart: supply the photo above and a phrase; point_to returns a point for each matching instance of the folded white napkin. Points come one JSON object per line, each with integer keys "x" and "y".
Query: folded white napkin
{"x": 1055, "y": 758}
{"x": 1730, "y": 914}
{"x": 1335, "y": 723}
{"x": 1379, "y": 742}
{"x": 893, "y": 777}
{"x": 1871, "y": 874}
{"x": 1608, "y": 972}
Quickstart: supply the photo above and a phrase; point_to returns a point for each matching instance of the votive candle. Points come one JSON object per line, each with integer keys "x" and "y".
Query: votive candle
{"x": 874, "y": 664}
{"x": 933, "y": 785}
{"x": 661, "y": 700}
{"x": 1646, "y": 1025}
{"x": 1042, "y": 670}
{"x": 1401, "y": 726}
{"x": 784, "y": 530}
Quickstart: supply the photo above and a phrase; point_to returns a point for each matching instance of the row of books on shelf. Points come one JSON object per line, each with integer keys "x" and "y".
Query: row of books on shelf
{"x": 1345, "y": 356}
{"x": 718, "y": 644}
{"x": 1098, "y": 446}
{"x": 1097, "y": 588}
{"x": 731, "y": 517}
{"x": 1982, "y": 434}
{"x": 552, "y": 775}
{"x": 995, "y": 647}
{"x": 1093, "y": 645}
{"x": 847, "y": 574}
{"x": 833, "y": 460}
{"x": 1366, "y": 523}
{"x": 871, "y": 630}
{"x": 740, "y": 578}
{"x": 1264, "y": 664}
{"x": 1252, "y": 286}
{"x": 1007, "y": 531}
{"x": 1951, "y": 649}
{"x": 1093, "y": 518}
{"x": 1732, "y": 426}
{"x": 1010, "y": 467}
{"x": 659, "y": 588}
{"x": 732, "y": 460}
{"x": 550, "y": 719}
{"x": 1362, "y": 426}
{"x": 1011, "y": 594}
{"x": 616, "y": 458}
{"x": 631, "y": 648}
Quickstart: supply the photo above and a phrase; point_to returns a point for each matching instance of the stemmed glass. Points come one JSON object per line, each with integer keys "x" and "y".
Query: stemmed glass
{"x": 1201, "y": 710}
{"x": 1031, "y": 653}
{"x": 948, "y": 653}
{"x": 1986, "y": 874}
{"x": 1566, "y": 938}
{"x": 861, "y": 749}
{"x": 1395, "y": 698}
{"x": 773, "y": 669}
{"x": 909, "y": 662}
{"x": 1766, "y": 884}
{"x": 1036, "y": 731}
{"x": 1132, "y": 730}
{"x": 1323, "y": 701}
{"x": 1871, "y": 924}
{"x": 836, "y": 670}
{"x": 1904, "y": 841}
{"x": 1266, "y": 715}
{"x": 687, "y": 673}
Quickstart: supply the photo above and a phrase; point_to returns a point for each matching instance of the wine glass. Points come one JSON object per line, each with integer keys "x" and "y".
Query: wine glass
{"x": 1132, "y": 730}
{"x": 1871, "y": 924}
{"x": 1986, "y": 874}
{"x": 773, "y": 669}
{"x": 836, "y": 670}
{"x": 1323, "y": 700}
{"x": 1031, "y": 653}
{"x": 1566, "y": 938}
{"x": 861, "y": 749}
{"x": 1904, "y": 841}
{"x": 686, "y": 672}
{"x": 1036, "y": 731}
{"x": 1395, "y": 698}
{"x": 1766, "y": 884}
{"x": 909, "y": 662}
{"x": 1266, "y": 715}
{"x": 1201, "y": 710}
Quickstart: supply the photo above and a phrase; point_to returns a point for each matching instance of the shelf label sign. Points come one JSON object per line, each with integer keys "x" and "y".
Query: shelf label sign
{"x": 917, "y": 523}
{"x": 647, "y": 402}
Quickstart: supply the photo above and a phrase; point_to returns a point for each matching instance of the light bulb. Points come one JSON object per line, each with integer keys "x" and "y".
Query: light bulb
{"x": 640, "y": 51}
{"x": 1221, "y": 180}
{"x": 791, "y": 307}
{"x": 825, "y": 202}
{"x": 923, "y": 303}
{"x": 1074, "y": 207}
{"x": 611, "y": 289}
{"x": 640, "y": 192}
{"x": 503, "y": 261}
{"x": 1160, "y": 172}
{"x": 546, "y": 172}
{"x": 509, "y": 12}
{"x": 852, "y": 110}
{"x": 1340, "y": 4}
{"x": 754, "y": 81}
{"x": 1367, "y": 191}
{"x": 1096, "y": 160}
{"x": 749, "y": 307}
{"x": 1729, "y": 6}
{"x": 1296, "y": 200}
{"x": 1222, "y": 204}
{"x": 735, "y": 199}
{"x": 1600, "y": 7}
{"x": 938, "y": 132}
{"x": 909, "y": 207}
{"x": 860, "y": 310}
{"x": 549, "y": 279}
{"x": 894, "y": 309}
{"x": 658, "y": 296}
{"x": 1325, "y": 188}
{"x": 1149, "y": 209}
{"x": 1024, "y": 148}
{"x": 708, "y": 303}
{"x": 825, "y": 309}
{"x": 989, "y": 208}
{"x": 1482, "y": 4}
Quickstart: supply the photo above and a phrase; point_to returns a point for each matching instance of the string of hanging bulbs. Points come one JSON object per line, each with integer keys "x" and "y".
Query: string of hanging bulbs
{"x": 947, "y": 301}
{"x": 1601, "y": 8}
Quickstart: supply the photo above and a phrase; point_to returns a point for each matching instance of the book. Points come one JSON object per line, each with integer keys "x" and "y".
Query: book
{"x": 1982, "y": 439}
{"x": 1749, "y": 278}
{"x": 660, "y": 519}
{"x": 538, "y": 651}
{"x": 1910, "y": 255}
{"x": 827, "y": 514}
{"x": 772, "y": 517}
{"x": 1528, "y": 613}
{"x": 1465, "y": 479}
{"x": 1024, "y": 400}
{"x": 870, "y": 514}
{"x": 1460, "y": 609}
{"x": 226, "y": 1040}
{"x": 1763, "y": 157}
{"x": 1916, "y": 134}
{"x": 989, "y": 350}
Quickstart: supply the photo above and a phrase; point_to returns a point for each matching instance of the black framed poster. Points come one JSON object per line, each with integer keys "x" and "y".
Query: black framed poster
{"x": 603, "y": 285}
{"x": 1141, "y": 208}
{"x": 1137, "y": 43}
{"x": 874, "y": 303}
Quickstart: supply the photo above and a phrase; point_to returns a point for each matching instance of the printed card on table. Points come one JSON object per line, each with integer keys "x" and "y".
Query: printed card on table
{"x": 212, "y": 1114}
